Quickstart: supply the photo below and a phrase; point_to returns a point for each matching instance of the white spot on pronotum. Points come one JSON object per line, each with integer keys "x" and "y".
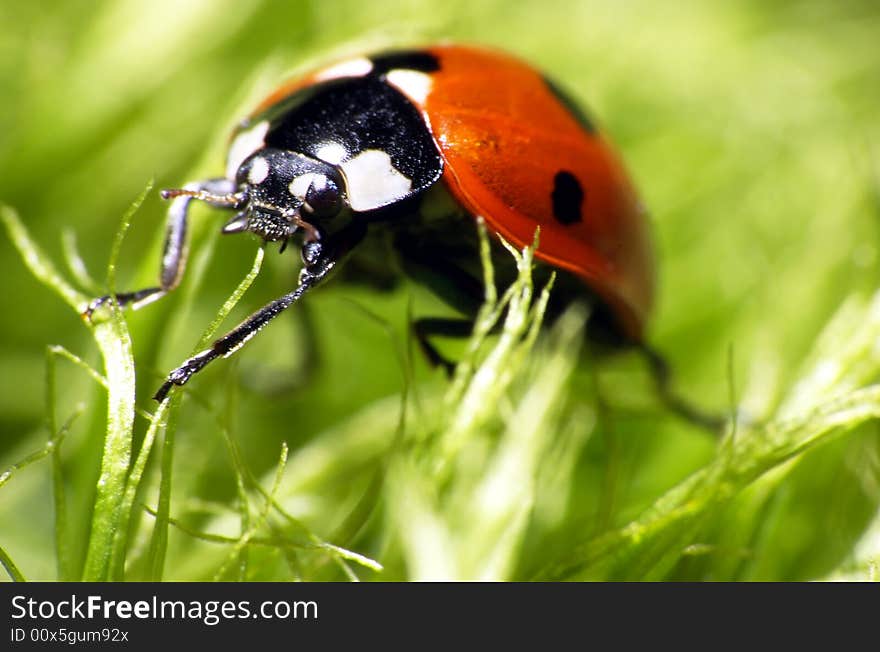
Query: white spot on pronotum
{"x": 300, "y": 185}
{"x": 245, "y": 143}
{"x": 333, "y": 153}
{"x": 259, "y": 170}
{"x": 373, "y": 181}
{"x": 412, "y": 83}
{"x": 350, "y": 68}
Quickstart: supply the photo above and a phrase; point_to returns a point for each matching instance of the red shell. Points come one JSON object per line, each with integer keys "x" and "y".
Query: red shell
{"x": 505, "y": 135}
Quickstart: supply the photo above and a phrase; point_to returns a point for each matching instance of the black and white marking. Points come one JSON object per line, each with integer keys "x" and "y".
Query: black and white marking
{"x": 244, "y": 143}
{"x": 372, "y": 181}
{"x": 415, "y": 85}
{"x": 362, "y": 118}
{"x": 359, "y": 67}
{"x": 417, "y": 60}
{"x": 368, "y": 129}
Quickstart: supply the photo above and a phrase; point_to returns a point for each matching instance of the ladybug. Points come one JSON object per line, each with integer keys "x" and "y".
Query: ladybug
{"x": 385, "y": 161}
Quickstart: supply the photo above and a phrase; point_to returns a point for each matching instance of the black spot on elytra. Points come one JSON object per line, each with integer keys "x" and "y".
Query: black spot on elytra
{"x": 568, "y": 198}
{"x": 418, "y": 60}
{"x": 568, "y": 102}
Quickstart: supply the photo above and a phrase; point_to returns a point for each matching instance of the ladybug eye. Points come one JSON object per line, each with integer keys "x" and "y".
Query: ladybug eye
{"x": 323, "y": 198}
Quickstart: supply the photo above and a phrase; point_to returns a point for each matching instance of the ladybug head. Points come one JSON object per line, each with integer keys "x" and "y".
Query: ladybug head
{"x": 279, "y": 192}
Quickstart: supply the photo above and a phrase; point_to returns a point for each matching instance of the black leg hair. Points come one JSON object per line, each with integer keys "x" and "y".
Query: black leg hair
{"x": 174, "y": 251}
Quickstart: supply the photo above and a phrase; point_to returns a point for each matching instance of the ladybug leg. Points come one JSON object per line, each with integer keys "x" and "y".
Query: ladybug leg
{"x": 236, "y": 338}
{"x": 174, "y": 251}
{"x": 437, "y": 268}
{"x": 427, "y": 327}
{"x": 368, "y": 265}
{"x": 663, "y": 377}
{"x": 320, "y": 258}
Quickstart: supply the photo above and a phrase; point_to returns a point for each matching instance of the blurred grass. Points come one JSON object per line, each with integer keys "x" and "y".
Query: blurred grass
{"x": 751, "y": 131}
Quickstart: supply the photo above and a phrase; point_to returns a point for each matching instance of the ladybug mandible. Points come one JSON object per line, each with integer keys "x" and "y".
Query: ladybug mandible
{"x": 392, "y": 156}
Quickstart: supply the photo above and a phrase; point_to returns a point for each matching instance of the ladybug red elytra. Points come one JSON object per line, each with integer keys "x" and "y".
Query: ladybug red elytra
{"x": 391, "y": 157}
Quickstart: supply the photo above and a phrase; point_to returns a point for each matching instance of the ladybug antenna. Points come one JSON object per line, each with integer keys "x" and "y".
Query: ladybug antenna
{"x": 234, "y": 199}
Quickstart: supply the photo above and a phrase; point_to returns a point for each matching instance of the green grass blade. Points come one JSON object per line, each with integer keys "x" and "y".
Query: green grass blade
{"x": 659, "y": 536}
{"x": 11, "y": 569}
{"x": 114, "y": 342}
{"x": 37, "y": 261}
{"x": 159, "y": 537}
{"x": 117, "y": 561}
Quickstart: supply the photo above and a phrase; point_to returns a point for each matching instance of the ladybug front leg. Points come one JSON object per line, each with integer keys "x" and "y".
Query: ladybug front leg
{"x": 320, "y": 258}
{"x": 238, "y": 336}
{"x": 173, "y": 253}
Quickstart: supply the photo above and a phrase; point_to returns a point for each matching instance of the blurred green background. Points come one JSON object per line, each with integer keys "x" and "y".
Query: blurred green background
{"x": 751, "y": 131}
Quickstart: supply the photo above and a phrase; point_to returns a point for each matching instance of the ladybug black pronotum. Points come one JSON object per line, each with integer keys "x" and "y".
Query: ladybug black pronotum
{"x": 393, "y": 156}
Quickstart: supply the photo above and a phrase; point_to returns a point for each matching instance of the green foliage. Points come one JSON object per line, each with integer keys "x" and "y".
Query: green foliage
{"x": 327, "y": 449}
